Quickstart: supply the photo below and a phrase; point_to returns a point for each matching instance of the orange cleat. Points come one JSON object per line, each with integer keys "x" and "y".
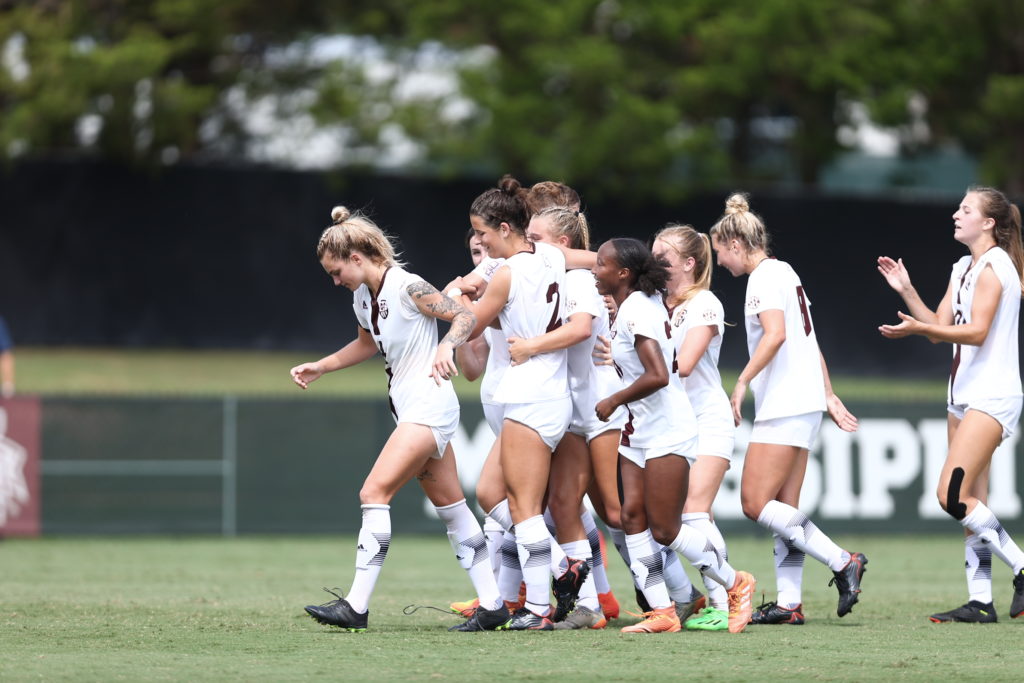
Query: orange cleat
{"x": 663, "y": 620}
{"x": 466, "y": 609}
{"x": 740, "y": 601}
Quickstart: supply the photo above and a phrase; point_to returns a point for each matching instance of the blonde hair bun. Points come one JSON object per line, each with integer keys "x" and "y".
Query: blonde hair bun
{"x": 340, "y": 214}
{"x": 736, "y": 203}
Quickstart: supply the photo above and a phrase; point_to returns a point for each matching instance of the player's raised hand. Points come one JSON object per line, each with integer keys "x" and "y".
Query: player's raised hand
{"x": 909, "y": 325}
{"x": 305, "y": 374}
{"x": 895, "y": 273}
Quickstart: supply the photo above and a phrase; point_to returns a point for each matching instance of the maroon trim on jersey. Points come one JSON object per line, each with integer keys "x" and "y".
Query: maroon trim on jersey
{"x": 627, "y": 429}
{"x": 374, "y": 306}
{"x": 955, "y": 365}
{"x": 533, "y": 250}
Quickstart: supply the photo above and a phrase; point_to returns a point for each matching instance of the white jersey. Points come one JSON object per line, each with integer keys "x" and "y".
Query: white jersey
{"x": 704, "y": 385}
{"x": 408, "y": 341}
{"x": 588, "y": 383}
{"x": 497, "y": 360}
{"x": 665, "y": 418}
{"x": 991, "y": 370}
{"x": 485, "y": 269}
{"x": 792, "y": 383}
{"x": 534, "y": 307}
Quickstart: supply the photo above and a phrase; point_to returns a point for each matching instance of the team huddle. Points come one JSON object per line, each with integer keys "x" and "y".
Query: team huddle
{"x": 600, "y": 379}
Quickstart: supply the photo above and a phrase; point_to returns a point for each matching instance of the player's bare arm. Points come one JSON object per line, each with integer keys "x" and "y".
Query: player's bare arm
{"x": 431, "y": 302}
{"x": 356, "y": 351}
{"x": 974, "y": 333}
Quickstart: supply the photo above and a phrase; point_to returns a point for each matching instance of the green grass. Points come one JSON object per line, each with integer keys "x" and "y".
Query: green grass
{"x": 63, "y": 371}
{"x": 215, "y": 609}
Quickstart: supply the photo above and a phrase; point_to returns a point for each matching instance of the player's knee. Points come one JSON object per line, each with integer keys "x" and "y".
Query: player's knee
{"x": 371, "y": 494}
{"x": 950, "y": 498}
{"x": 752, "y": 506}
{"x": 664, "y": 531}
{"x": 632, "y": 519}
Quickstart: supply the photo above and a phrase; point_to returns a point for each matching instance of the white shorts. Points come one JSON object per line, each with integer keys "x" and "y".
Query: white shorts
{"x": 442, "y": 435}
{"x": 550, "y": 419}
{"x": 792, "y": 430}
{"x": 1006, "y": 411}
{"x": 589, "y": 428}
{"x": 639, "y": 456}
{"x": 716, "y": 435}
{"x": 494, "y": 413}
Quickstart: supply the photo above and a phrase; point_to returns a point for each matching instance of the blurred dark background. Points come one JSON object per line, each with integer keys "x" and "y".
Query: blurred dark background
{"x": 220, "y": 257}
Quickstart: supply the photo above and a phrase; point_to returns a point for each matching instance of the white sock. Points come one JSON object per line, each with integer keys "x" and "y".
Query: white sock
{"x": 986, "y": 527}
{"x": 699, "y": 551}
{"x": 679, "y": 586}
{"x": 978, "y": 566}
{"x": 789, "y": 573}
{"x": 597, "y": 557}
{"x": 493, "y": 534}
{"x": 580, "y": 550}
{"x": 500, "y": 514}
{"x": 535, "y": 557}
{"x": 470, "y": 548}
{"x": 796, "y": 527}
{"x": 510, "y": 576}
{"x": 646, "y": 565}
{"x": 372, "y": 548}
{"x": 701, "y": 521}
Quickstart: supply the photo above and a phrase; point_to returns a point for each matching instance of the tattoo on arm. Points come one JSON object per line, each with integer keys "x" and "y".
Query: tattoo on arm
{"x": 444, "y": 308}
{"x": 462, "y": 327}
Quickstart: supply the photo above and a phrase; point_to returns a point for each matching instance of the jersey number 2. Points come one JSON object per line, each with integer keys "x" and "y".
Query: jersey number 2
{"x": 553, "y": 295}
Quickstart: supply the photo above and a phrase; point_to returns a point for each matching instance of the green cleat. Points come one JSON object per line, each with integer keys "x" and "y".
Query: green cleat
{"x": 709, "y": 619}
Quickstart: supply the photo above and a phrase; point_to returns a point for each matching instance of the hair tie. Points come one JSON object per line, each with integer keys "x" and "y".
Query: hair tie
{"x": 576, "y": 213}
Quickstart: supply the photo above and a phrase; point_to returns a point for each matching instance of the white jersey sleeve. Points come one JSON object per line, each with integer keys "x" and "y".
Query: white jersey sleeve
{"x": 792, "y": 383}
{"x": 487, "y": 267}
{"x": 664, "y": 418}
{"x": 991, "y": 370}
{"x": 704, "y": 384}
{"x": 534, "y": 307}
{"x": 408, "y": 341}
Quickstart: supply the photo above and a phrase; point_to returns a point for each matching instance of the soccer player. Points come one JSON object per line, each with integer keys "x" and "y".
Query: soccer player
{"x": 525, "y": 295}
{"x": 979, "y": 316}
{"x": 397, "y": 313}
{"x": 697, "y": 322}
{"x": 790, "y": 382}
{"x": 590, "y": 447}
{"x": 658, "y": 439}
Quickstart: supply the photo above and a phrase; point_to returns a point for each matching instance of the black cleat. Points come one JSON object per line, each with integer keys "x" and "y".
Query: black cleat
{"x": 567, "y": 587}
{"x": 847, "y": 581}
{"x": 771, "y": 613}
{"x": 973, "y": 612}
{"x": 339, "y": 613}
{"x": 484, "y": 620}
{"x": 1017, "y": 606}
{"x": 525, "y": 620}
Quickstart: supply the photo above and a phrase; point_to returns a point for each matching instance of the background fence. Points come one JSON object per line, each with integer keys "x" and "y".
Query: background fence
{"x": 266, "y": 466}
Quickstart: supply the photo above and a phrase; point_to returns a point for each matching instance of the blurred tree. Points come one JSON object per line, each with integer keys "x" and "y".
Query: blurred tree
{"x": 960, "y": 75}
{"x": 639, "y": 98}
{"x": 140, "y": 80}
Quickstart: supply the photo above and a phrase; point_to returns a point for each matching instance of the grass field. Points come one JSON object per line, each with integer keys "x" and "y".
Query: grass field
{"x": 92, "y": 609}
{"x": 60, "y": 371}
